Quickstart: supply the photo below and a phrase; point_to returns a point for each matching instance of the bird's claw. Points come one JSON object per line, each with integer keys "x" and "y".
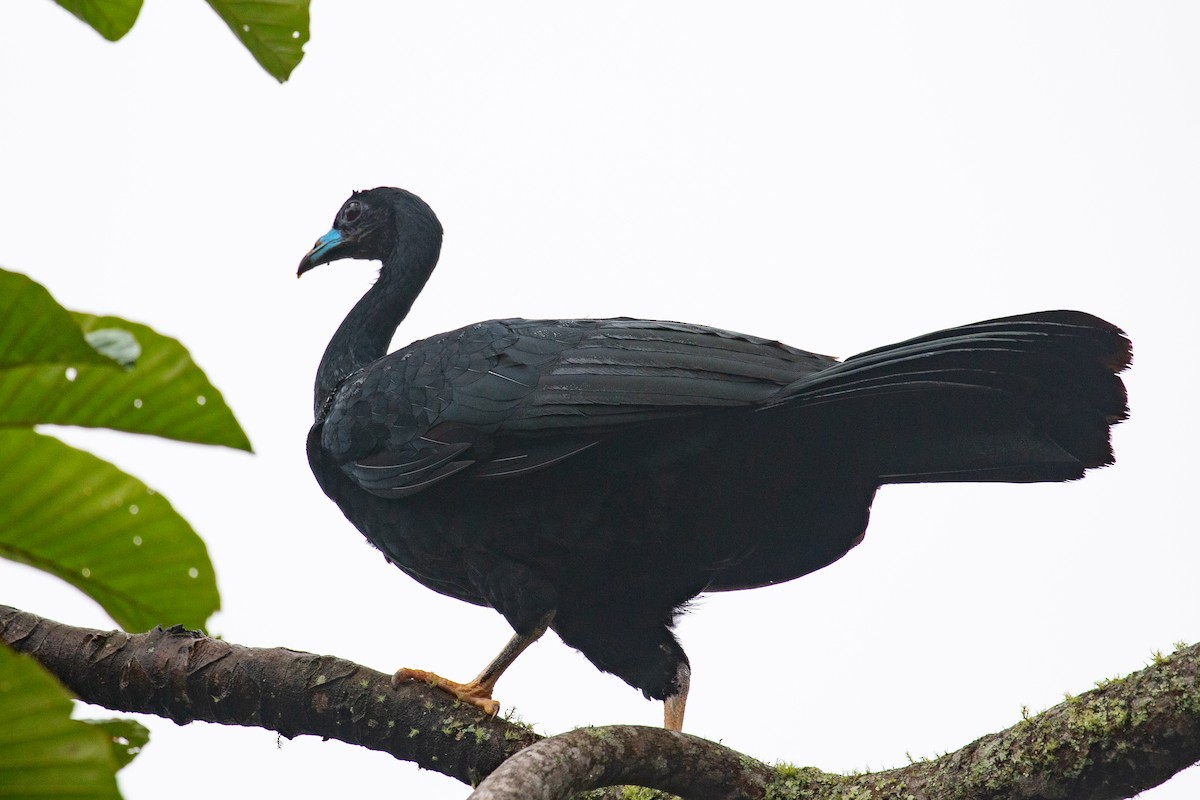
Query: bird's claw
{"x": 474, "y": 693}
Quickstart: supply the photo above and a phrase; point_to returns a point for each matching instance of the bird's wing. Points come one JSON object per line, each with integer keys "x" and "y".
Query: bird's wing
{"x": 612, "y": 373}
{"x": 508, "y": 397}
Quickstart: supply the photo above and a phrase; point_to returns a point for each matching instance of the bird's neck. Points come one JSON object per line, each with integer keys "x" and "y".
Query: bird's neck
{"x": 366, "y": 333}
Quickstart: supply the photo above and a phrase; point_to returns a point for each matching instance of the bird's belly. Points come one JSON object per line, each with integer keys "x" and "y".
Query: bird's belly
{"x": 579, "y": 534}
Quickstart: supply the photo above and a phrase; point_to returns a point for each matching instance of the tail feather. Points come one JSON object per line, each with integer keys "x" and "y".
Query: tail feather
{"x": 1026, "y": 398}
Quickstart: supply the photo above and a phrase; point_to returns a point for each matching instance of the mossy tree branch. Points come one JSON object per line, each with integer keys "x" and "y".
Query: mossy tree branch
{"x": 1112, "y": 742}
{"x": 185, "y": 676}
{"x": 589, "y": 758}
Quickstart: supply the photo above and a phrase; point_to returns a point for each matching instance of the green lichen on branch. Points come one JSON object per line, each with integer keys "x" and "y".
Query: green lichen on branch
{"x": 627, "y": 793}
{"x": 808, "y": 783}
{"x": 1125, "y": 736}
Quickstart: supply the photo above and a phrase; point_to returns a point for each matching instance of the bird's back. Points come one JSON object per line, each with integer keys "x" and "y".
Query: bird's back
{"x": 511, "y": 396}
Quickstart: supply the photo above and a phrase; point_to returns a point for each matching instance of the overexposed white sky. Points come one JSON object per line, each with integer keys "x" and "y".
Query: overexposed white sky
{"x": 836, "y": 176}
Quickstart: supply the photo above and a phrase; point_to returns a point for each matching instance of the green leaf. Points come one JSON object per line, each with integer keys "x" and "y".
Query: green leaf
{"x": 112, "y": 19}
{"x": 43, "y": 752}
{"x": 274, "y": 31}
{"x": 35, "y": 329}
{"x": 166, "y": 394}
{"x": 127, "y": 737}
{"x": 119, "y": 345}
{"x": 76, "y": 516}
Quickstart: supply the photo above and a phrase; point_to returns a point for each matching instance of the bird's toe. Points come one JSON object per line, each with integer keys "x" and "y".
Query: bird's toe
{"x": 474, "y": 692}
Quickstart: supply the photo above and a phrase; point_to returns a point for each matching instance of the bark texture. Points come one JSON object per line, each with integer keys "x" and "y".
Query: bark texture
{"x": 1123, "y": 737}
{"x": 185, "y": 676}
{"x": 591, "y": 758}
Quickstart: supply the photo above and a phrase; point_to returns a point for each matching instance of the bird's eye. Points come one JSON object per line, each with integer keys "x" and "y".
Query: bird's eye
{"x": 352, "y": 211}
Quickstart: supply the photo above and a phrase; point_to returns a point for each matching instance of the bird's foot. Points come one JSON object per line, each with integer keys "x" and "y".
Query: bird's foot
{"x": 476, "y": 693}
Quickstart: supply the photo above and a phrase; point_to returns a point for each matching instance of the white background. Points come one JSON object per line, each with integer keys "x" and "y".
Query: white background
{"x": 833, "y": 175}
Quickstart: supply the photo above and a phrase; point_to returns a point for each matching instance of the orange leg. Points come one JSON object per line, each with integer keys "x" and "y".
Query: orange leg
{"x": 478, "y": 692}
{"x": 674, "y": 705}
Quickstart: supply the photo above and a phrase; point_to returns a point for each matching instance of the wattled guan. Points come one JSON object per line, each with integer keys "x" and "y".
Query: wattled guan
{"x": 594, "y": 475}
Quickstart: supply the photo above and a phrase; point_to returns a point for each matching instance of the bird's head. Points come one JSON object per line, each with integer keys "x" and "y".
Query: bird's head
{"x": 383, "y": 224}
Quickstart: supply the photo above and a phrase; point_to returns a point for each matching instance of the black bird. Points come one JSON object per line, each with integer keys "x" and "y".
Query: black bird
{"x": 594, "y": 475}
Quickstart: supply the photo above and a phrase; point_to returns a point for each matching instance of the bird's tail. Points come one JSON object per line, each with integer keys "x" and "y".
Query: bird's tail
{"x": 1025, "y": 398}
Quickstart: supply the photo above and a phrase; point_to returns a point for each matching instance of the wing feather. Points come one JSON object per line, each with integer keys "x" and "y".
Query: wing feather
{"x": 524, "y": 395}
